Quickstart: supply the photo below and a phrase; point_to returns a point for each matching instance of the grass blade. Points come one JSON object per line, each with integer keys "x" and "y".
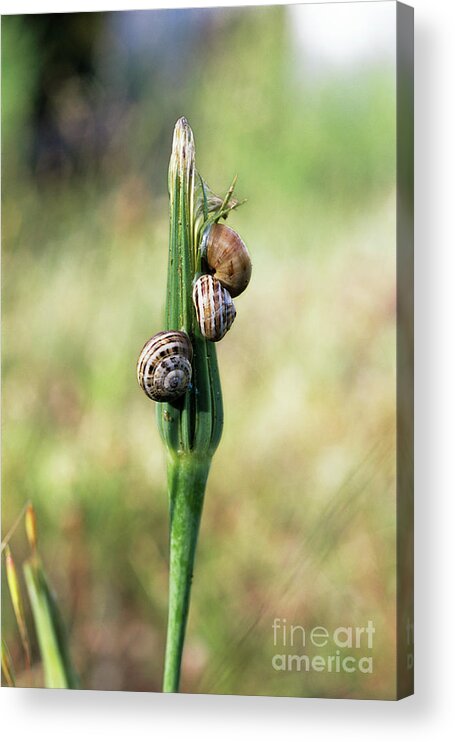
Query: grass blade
{"x": 18, "y": 603}
{"x": 7, "y": 666}
{"x": 52, "y": 640}
{"x": 31, "y": 527}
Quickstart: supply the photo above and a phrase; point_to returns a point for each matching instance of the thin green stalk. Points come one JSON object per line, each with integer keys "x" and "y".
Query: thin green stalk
{"x": 187, "y": 481}
{"x": 191, "y": 427}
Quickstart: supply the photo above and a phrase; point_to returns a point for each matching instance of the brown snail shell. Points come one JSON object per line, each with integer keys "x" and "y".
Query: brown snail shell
{"x": 228, "y": 258}
{"x": 214, "y": 307}
{"x": 164, "y": 366}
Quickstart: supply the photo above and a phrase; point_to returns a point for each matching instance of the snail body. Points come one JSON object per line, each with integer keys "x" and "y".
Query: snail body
{"x": 215, "y": 309}
{"x": 164, "y": 366}
{"x": 228, "y": 258}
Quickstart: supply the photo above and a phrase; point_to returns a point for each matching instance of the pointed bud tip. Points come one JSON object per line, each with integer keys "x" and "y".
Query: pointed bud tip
{"x": 183, "y": 135}
{"x": 182, "y": 156}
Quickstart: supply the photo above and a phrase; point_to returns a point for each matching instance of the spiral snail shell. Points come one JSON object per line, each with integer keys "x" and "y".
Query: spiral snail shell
{"x": 164, "y": 366}
{"x": 228, "y": 258}
{"x": 214, "y": 307}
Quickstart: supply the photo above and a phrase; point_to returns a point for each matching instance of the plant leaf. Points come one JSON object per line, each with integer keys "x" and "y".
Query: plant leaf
{"x": 18, "y": 603}
{"x": 50, "y": 629}
{"x": 7, "y": 665}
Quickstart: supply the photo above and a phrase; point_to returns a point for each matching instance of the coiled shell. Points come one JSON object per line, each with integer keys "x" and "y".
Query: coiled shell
{"x": 214, "y": 307}
{"x": 228, "y": 258}
{"x": 164, "y": 366}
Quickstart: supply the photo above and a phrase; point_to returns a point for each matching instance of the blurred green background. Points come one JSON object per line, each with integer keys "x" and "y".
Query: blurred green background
{"x": 299, "y": 520}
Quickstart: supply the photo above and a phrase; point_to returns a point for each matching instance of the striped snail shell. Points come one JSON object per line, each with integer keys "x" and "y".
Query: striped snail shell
{"x": 214, "y": 307}
{"x": 164, "y": 366}
{"x": 227, "y": 258}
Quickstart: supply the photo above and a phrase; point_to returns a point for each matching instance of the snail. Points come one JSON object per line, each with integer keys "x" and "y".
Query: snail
{"x": 214, "y": 307}
{"x": 164, "y": 366}
{"x": 227, "y": 258}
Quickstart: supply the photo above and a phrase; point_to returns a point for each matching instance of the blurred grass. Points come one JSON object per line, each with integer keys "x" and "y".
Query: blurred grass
{"x": 299, "y": 519}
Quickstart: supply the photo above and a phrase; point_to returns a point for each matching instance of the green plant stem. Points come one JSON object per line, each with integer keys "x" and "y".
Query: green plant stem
{"x": 187, "y": 477}
{"x": 191, "y": 426}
